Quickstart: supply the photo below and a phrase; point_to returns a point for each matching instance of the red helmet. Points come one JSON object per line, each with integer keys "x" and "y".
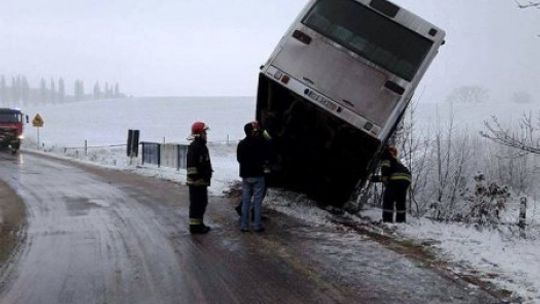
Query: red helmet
{"x": 198, "y": 127}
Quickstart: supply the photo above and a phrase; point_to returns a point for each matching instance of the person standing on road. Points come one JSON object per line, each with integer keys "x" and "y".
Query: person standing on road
{"x": 252, "y": 154}
{"x": 397, "y": 178}
{"x": 199, "y": 174}
{"x": 267, "y": 169}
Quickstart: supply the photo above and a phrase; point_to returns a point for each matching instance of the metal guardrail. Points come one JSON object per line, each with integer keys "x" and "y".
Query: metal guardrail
{"x": 86, "y": 147}
{"x": 182, "y": 156}
{"x": 166, "y": 155}
{"x": 151, "y": 153}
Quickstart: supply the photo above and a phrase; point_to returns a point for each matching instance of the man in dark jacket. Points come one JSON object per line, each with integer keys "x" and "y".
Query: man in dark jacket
{"x": 253, "y": 156}
{"x": 397, "y": 179}
{"x": 269, "y": 153}
{"x": 199, "y": 173}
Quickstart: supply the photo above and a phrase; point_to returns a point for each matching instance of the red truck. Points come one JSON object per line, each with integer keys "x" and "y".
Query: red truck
{"x": 11, "y": 129}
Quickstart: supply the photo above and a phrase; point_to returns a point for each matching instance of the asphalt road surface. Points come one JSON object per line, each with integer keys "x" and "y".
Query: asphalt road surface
{"x": 104, "y": 236}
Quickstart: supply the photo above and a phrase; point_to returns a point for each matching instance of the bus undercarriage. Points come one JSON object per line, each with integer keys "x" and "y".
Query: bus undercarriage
{"x": 315, "y": 152}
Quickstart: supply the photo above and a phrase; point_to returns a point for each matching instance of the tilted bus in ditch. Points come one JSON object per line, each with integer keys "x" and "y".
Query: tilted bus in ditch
{"x": 336, "y": 87}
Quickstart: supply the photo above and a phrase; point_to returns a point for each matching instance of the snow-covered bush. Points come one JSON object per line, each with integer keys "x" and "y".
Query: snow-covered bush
{"x": 486, "y": 204}
{"x": 482, "y": 204}
{"x": 445, "y": 161}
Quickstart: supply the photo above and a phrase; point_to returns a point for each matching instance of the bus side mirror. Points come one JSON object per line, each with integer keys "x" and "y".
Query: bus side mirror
{"x": 27, "y": 121}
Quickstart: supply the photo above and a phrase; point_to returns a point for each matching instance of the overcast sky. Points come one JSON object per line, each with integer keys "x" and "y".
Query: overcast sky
{"x": 215, "y": 47}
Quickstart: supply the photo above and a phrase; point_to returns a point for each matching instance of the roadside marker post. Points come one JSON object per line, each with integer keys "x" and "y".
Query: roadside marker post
{"x": 522, "y": 216}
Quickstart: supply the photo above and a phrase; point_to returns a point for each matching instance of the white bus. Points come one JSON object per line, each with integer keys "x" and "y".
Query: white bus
{"x": 335, "y": 88}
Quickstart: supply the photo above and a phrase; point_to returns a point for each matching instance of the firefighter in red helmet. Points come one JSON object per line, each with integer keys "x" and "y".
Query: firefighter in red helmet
{"x": 199, "y": 174}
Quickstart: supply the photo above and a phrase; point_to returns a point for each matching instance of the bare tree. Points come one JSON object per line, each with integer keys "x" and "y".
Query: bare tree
{"x": 468, "y": 94}
{"x": 61, "y": 90}
{"x": 414, "y": 153}
{"x": 528, "y": 4}
{"x": 510, "y": 167}
{"x": 463, "y": 153}
{"x": 523, "y": 139}
{"x": 4, "y": 93}
{"x": 522, "y": 97}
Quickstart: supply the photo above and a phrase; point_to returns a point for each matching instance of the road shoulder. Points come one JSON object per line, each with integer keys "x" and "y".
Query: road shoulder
{"x": 12, "y": 222}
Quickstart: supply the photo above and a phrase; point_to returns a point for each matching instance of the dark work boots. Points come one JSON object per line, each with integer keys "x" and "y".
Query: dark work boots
{"x": 199, "y": 229}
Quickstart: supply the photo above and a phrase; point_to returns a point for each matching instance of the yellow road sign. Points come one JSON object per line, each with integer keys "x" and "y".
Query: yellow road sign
{"x": 37, "y": 121}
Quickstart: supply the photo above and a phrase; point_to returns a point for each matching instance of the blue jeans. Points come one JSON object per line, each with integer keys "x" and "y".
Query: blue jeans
{"x": 252, "y": 187}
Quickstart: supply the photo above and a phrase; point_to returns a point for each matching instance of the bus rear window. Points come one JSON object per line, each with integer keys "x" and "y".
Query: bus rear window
{"x": 370, "y": 35}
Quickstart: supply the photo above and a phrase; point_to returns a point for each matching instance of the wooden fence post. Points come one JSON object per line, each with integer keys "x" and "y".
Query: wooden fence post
{"x": 159, "y": 155}
{"x": 522, "y": 216}
{"x": 142, "y": 152}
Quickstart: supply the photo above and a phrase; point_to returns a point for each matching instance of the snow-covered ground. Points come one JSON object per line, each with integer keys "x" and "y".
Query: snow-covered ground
{"x": 502, "y": 257}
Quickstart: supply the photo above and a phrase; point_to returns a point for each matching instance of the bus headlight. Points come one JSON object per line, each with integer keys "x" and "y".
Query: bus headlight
{"x": 20, "y": 137}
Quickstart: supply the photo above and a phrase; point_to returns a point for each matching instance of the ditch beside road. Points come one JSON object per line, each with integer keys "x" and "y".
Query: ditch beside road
{"x": 12, "y": 221}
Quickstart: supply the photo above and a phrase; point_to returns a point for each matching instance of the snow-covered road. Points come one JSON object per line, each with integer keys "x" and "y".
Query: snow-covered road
{"x": 102, "y": 236}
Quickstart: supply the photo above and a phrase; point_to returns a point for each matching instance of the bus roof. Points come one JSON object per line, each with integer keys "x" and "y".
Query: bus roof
{"x": 398, "y": 14}
{"x": 9, "y": 111}
{"x": 406, "y": 18}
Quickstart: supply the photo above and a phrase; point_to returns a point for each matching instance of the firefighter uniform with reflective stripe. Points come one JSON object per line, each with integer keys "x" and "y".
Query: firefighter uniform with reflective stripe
{"x": 397, "y": 179}
{"x": 199, "y": 173}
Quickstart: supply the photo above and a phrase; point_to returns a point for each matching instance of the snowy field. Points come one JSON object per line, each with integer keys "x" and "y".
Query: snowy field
{"x": 510, "y": 262}
{"x": 107, "y": 122}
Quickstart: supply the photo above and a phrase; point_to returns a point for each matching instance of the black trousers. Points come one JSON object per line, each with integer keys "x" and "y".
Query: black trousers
{"x": 198, "y": 200}
{"x": 395, "y": 195}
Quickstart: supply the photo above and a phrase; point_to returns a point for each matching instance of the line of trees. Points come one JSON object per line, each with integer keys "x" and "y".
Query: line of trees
{"x": 17, "y": 91}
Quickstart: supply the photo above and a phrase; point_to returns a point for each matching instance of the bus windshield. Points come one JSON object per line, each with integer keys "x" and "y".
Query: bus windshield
{"x": 9, "y": 118}
{"x": 370, "y": 35}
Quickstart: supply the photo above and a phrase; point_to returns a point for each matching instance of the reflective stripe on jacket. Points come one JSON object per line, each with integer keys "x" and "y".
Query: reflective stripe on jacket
{"x": 199, "y": 167}
{"x": 393, "y": 169}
